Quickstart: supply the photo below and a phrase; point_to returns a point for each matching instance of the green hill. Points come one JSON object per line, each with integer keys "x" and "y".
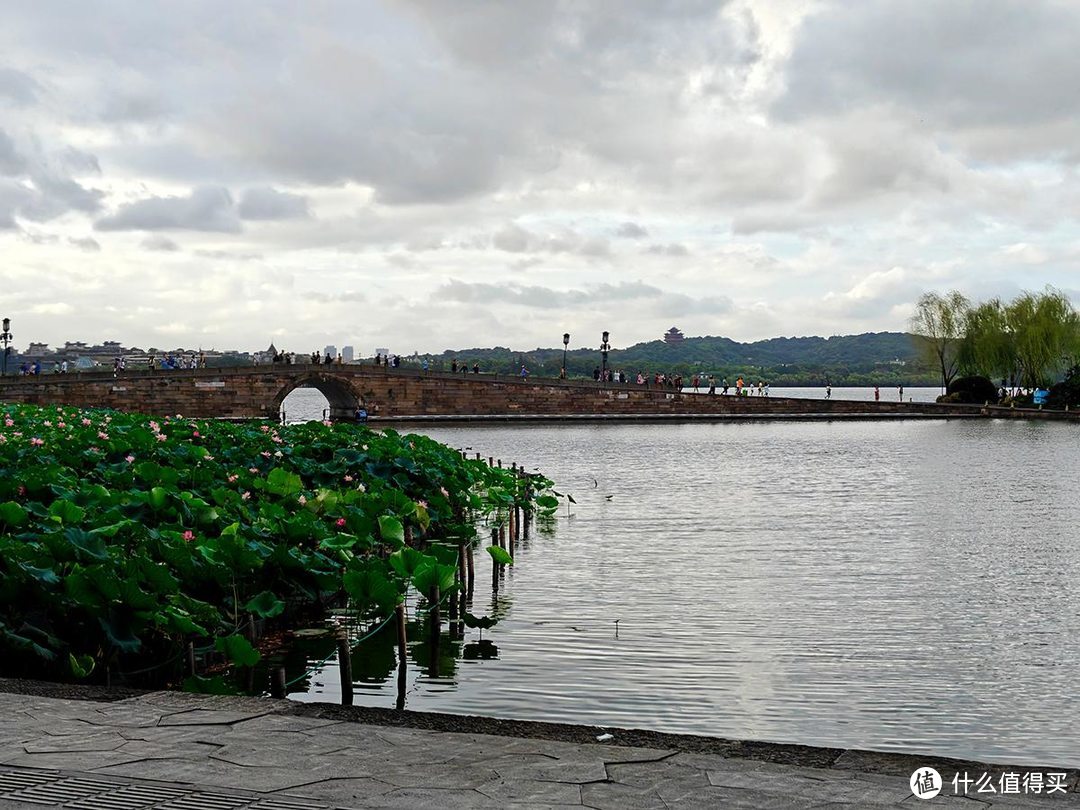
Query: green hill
{"x": 866, "y": 359}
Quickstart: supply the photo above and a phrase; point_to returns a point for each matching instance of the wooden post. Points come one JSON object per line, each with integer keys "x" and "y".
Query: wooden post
{"x": 494, "y": 565}
{"x": 277, "y": 683}
{"x": 345, "y": 669}
{"x": 454, "y": 600}
{"x": 491, "y": 461}
{"x": 436, "y": 632}
{"x": 477, "y": 456}
{"x": 399, "y": 614}
{"x": 191, "y": 658}
{"x": 470, "y": 562}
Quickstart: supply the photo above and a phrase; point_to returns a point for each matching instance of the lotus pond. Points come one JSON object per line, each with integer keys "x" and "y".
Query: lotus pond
{"x": 126, "y": 540}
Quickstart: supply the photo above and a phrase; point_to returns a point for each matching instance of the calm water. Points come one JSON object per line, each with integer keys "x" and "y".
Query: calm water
{"x": 909, "y": 586}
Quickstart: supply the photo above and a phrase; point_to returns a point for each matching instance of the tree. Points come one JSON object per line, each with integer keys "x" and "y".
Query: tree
{"x": 1045, "y": 332}
{"x": 938, "y": 325}
{"x": 1028, "y": 341}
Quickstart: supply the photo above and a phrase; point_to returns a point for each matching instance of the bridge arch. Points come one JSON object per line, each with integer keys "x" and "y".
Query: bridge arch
{"x": 339, "y": 392}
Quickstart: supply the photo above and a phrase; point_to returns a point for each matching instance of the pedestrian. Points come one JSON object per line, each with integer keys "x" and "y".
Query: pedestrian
{"x": 877, "y": 394}
{"x": 901, "y": 389}
{"x": 712, "y": 384}
{"x": 524, "y": 372}
{"x": 475, "y": 368}
{"x": 453, "y": 366}
{"x": 828, "y": 392}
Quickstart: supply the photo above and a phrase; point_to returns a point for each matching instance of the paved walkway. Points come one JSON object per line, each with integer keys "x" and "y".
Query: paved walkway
{"x": 173, "y": 751}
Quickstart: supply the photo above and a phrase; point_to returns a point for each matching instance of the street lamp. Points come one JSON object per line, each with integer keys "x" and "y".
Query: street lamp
{"x": 565, "y": 344}
{"x": 605, "y": 347}
{"x": 5, "y": 340}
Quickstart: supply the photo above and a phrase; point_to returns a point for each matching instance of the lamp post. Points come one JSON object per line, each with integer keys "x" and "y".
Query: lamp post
{"x": 605, "y": 347}
{"x": 5, "y": 340}
{"x": 565, "y": 344}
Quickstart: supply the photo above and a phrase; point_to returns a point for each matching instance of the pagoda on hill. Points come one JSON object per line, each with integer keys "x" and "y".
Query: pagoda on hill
{"x": 673, "y": 336}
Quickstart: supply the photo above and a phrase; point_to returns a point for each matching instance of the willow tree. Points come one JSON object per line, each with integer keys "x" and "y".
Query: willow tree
{"x": 1045, "y": 334}
{"x": 1029, "y": 341}
{"x": 987, "y": 347}
{"x": 938, "y": 325}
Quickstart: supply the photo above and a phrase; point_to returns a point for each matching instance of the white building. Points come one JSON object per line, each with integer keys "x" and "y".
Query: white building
{"x": 330, "y": 350}
{"x": 347, "y": 353}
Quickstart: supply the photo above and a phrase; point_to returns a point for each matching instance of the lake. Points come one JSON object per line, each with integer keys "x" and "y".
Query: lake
{"x": 902, "y": 586}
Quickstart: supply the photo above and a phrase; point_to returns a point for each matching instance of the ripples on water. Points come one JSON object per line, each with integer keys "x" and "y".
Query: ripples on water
{"x": 906, "y": 586}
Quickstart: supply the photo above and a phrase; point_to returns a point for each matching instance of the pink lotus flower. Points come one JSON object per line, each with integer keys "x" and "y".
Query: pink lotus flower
{"x": 86, "y": 421}
{"x": 303, "y": 500}
{"x": 348, "y": 479}
{"x": 253, "y": 470}
{"x": 47, "y": 423}
{"x": 422, "y": 503}
{"x": 265, "y": 428}
{"x": 129, "y": 459}
{"x": 3, "y": 438}
{"x": 245, "y": 496}
{"x": 189, "y": 535}
{"x": 232, "y": 478}
{"x": 9, "y": 422}
{"x": 161, "y": 437}
{"x": 265, "y": 454}
{"x": 195, "y": 434}
{"x": 37, "y": 442}
{"x": 445, "y": 494}
{"x": 103, "y": 435}
{"x": 208, "y": 458}
{"x": 340, "y": 523}
{"x": 61, "y": 424}
{"x": 154, "y": 426}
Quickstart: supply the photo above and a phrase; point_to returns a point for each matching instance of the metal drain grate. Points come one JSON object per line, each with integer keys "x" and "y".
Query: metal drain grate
{"x": 128, "y": 797}
{"x": 54, "y": 789}
{"x": 60, "y": 791}
{"x": 18, "y": 780}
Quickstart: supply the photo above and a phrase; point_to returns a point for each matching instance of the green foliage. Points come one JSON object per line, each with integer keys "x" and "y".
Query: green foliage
{"x": 500, "y": 555}
{"x": 1027, "y": 342}
{"x": 938, "y": 326}
{"x": 123, "y": 537}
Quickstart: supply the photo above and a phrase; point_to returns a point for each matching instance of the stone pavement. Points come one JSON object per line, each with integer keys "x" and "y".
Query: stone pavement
{"x": 172, "y": 751}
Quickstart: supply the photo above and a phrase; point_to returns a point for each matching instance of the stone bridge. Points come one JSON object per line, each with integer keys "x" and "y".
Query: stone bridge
{"x": 256, "y": 392}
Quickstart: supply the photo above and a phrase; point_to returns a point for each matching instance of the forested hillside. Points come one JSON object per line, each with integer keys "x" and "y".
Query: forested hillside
{"x": 866, "y": 359}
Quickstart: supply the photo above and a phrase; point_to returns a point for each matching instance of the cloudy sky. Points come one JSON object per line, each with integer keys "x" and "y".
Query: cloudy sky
{"x": 424, "y": 174}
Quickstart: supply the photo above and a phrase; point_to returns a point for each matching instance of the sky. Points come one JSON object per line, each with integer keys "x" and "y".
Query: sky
{"x": 421, "y": 175}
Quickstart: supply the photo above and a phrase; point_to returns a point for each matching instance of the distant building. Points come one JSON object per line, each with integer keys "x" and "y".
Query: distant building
{"x": 347, "y": 353}
{"x": 673, "y": 336}
{"x": 330, "y": 350}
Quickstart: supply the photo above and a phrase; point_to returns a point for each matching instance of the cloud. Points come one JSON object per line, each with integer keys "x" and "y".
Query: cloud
{"x": 209, "y": 208}
{"x": 539, "y": 297}
{"x": 11, "y": 163}
{"x": 269, "y": 203}
{"x": 957, "y": 65}
{"x": 513, "y": 238}
{"x": 631, "y": 230}
{"x": 87, "y": 243}
{"x": 17, "y": 88}
{"x": 159, "y": 243}
{"x": 670, "y": 249}
{"x": 52, "y": 308}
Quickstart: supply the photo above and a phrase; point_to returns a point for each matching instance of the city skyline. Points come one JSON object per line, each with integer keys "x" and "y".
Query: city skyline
{"x": 423, "y": 176}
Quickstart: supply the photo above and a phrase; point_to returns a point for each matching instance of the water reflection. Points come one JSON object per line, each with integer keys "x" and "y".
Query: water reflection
{"x": 904, "y": 585}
